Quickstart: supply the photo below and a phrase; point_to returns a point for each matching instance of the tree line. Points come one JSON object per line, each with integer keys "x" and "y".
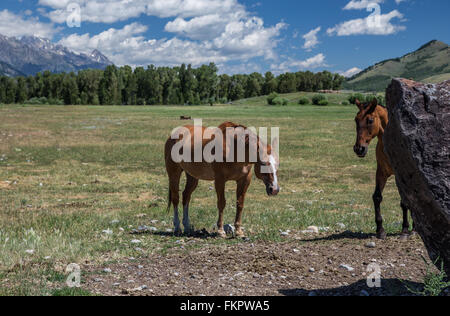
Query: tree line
{"x": 157, "y": 86}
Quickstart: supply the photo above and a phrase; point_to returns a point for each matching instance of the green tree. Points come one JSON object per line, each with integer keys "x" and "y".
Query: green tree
{"x": 254, "y": 85}
{"x": 237, "y": 87}
{"x": 21, "y": 93}
{"x": 207, "y": 82}
{"x": 10, "y": 91}
{"x": 108, "y": 92}
{"x": 70, "y": 89}
{"x": 287, "y": 83}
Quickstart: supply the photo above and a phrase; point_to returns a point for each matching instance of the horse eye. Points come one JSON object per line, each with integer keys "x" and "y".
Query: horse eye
{"x": 370, "y": 121}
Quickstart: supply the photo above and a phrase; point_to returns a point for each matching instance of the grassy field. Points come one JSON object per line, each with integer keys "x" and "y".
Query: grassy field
{"x": 74, "y": 181}
{"x": 438, "y": 78}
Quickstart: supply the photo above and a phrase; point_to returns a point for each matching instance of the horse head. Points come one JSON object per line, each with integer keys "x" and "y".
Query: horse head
{"x": 266, "y": 169}
{"x": 368, "y": 126}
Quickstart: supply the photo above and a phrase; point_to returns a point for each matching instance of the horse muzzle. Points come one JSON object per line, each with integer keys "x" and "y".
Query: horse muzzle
{"x": 361, "y": 151}
{"x": 272, "y": 191}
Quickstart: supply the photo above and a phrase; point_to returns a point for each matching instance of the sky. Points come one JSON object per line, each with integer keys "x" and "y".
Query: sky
{"x": 240, "y": 36}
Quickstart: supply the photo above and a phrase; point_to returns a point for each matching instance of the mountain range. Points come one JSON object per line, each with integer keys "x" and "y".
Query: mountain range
{"x": 430, "y": 63}
{"x": 30, "y": 55}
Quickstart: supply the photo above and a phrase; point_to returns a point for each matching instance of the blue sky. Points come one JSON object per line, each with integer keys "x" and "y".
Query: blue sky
{"x": 239, "y": 35}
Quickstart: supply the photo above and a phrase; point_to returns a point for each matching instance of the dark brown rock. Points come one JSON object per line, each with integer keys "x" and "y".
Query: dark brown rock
{"x": 417, "y": 142}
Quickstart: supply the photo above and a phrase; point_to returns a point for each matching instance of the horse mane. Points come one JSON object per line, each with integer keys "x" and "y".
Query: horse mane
{"x": 223, "y": 127}
{"x": 367, "y": 105}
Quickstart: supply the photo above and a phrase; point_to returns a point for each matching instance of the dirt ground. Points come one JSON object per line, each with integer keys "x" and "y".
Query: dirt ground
{"x": 309, "y": 266}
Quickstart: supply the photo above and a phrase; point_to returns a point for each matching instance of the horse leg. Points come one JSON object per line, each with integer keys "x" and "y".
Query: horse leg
{"x": 221, "y": 203}
{"x": 377, "y": 199}
{"x": 242, "y": 187}
{"x": 191, "y": 185}
{"x": 405, "y": 230}
{"x": 174, "y": 187}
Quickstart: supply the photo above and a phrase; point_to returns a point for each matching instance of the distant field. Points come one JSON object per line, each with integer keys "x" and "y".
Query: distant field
{"x": 438, "y": 78}
{"x": 293, "y": 98}
{"x": 68, "y": 173}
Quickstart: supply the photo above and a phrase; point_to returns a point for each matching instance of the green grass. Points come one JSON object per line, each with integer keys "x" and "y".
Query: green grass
{"x": 434, "y": 282}
{"x": 293, "y": 98}
{"x": 438, "y": 78}
{"x": 71, "y": 292}
{"x": 72, "y": 171}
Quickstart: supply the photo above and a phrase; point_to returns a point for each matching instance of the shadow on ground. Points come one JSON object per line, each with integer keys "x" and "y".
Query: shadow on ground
{"x": 348, "y": 235}
{"x": 199, "y": 234}
{"x": 389, "y": 287}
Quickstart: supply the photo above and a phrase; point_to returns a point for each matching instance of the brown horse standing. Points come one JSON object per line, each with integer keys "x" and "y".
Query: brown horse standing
{"x": 371, "y": 121}
{"x": 219, "y": 172}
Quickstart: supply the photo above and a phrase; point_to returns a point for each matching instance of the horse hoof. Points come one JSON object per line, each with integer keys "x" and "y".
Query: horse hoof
{"x": 178, "y": 233}
{"x": 382, "y": 236}
{"x": 189, "y": 231}
{"x": 240, "y": 234}
{"x": 222, "y": 234}
{"x": 404, "y": 237}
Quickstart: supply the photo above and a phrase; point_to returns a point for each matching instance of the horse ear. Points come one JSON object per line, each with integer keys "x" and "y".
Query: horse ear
{"x": 373, "y": 106}
{"x": 358, "y": 104}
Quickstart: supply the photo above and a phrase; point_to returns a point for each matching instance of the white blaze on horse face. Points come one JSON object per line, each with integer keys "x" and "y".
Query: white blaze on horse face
{"x": 273, "y": 164}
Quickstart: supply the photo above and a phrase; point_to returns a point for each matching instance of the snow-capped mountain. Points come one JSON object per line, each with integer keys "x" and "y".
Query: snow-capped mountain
{"x": 30, "y": 55}
{"x": 99, "y": 57}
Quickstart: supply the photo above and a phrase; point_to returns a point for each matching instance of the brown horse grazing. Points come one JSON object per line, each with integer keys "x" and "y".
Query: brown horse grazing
{"x": 371, "y": 121}
{"x": 219, "y": 172}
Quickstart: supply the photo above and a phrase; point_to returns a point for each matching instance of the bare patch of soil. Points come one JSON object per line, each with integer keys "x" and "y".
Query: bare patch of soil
{"x": 301, "y": 267}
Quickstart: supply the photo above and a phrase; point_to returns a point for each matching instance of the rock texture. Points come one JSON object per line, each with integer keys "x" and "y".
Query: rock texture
{"x": 417, "y": 142}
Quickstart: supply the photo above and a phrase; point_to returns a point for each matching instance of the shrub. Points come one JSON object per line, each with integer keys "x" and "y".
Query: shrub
{"x": 280, "y": 101}
{"x": 323, "y": 103}
{"x": 358, "y": 96}
{"x": 37, "y": 101}
{"x": 55, "y": 102}
{"x": 345, "y": 103}
{"x": 381, "y": 99}
{"x": 318, "y": 98}
{"x": 271, "y": 98}
{"x": 304, "y": 101}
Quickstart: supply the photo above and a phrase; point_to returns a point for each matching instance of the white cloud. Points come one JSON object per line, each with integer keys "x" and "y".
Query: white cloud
{"x": 240, "y": 41}
{"x": 205, "y": 27}
{"x": 351, "y": 72}
{"x": 364, "y": 4}
{"x": 371, "y": 25}
{"x": 241, "y": 68}
{"x": 361, "y": 4}
{"x": 16, "y": 25}
{"x": 311, "y": 40}
{"x": 110, "y": 11}
{"x": 314, "y": 62}
{"x": 205, "y": 30}
{"x": 248, "y": 38}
